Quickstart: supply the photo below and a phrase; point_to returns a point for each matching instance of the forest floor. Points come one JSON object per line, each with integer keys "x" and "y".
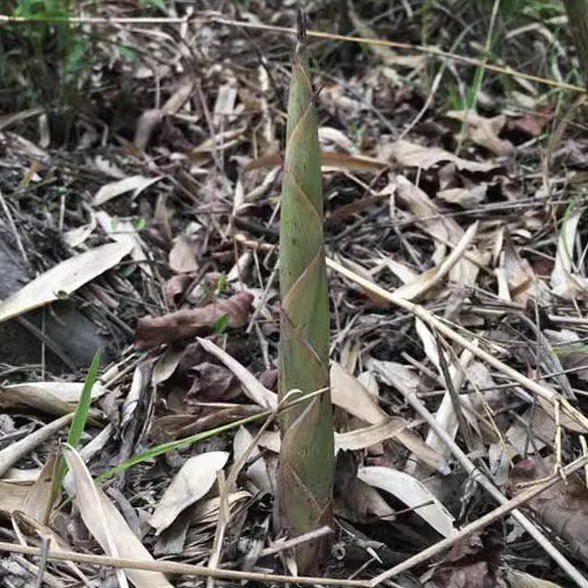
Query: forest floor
{"x": 140, "y": 174}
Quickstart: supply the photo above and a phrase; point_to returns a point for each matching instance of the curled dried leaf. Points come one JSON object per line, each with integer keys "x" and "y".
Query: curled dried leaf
{"x": 153, "y": 331}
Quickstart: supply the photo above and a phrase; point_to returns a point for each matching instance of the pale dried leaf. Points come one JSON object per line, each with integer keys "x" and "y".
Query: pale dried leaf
{"x": 108, "y": 526}
{"x": 195, "y": 478}
{"x": 35, "y": 528}
{"x": 181, "y": 256}
{"x": 208, "y": 510}
{"x": 464, "y": 197}
{"x": 335, "y": 136}
{"x": 79, "y": 235}
{"x": 413, "y": 493}
{"x": 389, "y": 428}
{"x": 564, "y": 282}
{"x": 124, "y": 231}
{"x": 13, "y": 495}
{"x": 136, "y": 184}
{"x": 257, "y": 472}
{"x": 433, "y": 276}
{"x": 348, "y": 394}
{"x": 166, "y": 365}
{"x": 38, "y": 502}
{"x": 413, "y": 155}
{"x": 484, "y": 131}
{"x": 50, "y": 397}
{"x": 63, "y": 279}
{"x": 565, "y": 421}
{"x": 429, "y": 342}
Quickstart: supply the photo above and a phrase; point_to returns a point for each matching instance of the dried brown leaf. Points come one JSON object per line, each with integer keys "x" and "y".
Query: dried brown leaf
{"x": 410, "y": 154}
{"x": 153, "y": 331}
{"x": 181, "y": 257}
{"x": 484, "y": 131}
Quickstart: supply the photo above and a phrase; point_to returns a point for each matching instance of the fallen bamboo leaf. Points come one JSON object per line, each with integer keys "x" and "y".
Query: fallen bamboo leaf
{"x": 413, "y": 493}
{"x": 390, "y": 428}
{"x": 348, "y": 393}
{"x": 50, "y": 397}
{"x": 13, "y": 495}
{"x": 518, "y": 579}
{"x": 34, "y": 528}
{"x": 432, "y": 277}
{"x": 108, "y": 526}
{"x": 565, "y": 279}
{"x": 329, "y": 161}
{"x": 63, "y": 279}
{"x": 562, "y": 507}
{"x": 258, "y": 471}
{"x": 38, "y": 502}
{"x": 150, "y": 119}
{"x": 136, "y": 184}
{"x": 195, "y": 478}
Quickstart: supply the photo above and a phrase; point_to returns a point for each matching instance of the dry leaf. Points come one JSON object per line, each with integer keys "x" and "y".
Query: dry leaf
{"x": 484, "y": 131}
{"x": 410, "y": 154}
{"x": 433, "y": 276}
{"x": 413, "y": 493}
{"x": 330, "y": 161}
{"x": 124, "y": 231}
{"x": 368, "y": 436}
{"x": 195, "y": 478}
{"x": 108, "y": 526}
{"x": 151, "y": 332}
{"x": 151, "y": 118}
{"x": 349, "y": 394}
{"x": 136, "y": 184}
{"x": 181, "y": 256}
{"x": 258, "y": 471}
{"x": 50, "y": 397}
{"x": 465, "y": 197}
{"x": 63, "y": 279}
{"x": 566, "y": 282}
{"x": 518, "y": 579}
{"x": 562, "y": 508}
{"x": 38, "y": 502}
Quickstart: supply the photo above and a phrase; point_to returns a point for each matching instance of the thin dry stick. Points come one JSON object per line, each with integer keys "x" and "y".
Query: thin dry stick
{"x": 170, "y": 567}
{"x": 457, "y": 452}
{"x": 481, "y": 523}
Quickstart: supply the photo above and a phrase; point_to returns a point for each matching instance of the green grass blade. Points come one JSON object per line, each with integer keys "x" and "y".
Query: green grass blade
{"x": 78, "y": 423}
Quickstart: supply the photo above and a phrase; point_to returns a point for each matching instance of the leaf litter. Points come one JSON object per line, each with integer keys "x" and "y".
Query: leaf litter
{"x": 157, "y": 227}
